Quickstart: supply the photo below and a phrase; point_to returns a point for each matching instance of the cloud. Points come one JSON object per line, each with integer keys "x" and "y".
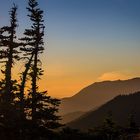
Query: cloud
{"x": 115, "y": 75}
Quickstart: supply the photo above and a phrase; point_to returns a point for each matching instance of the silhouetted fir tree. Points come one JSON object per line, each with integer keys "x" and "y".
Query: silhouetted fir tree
{"x": 109, "y": 130}
{"x": 9, "y": 54}
{"x": 32, "y": 46}
{"x": 40, "y": 107}
{"x": 132, "y": 128}
{"x": 108, "y": 122}
{"x": 132, "y": 122}
{"x": 22, "y": 115}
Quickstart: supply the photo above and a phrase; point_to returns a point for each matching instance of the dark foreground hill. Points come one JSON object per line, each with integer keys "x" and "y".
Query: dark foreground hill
{"x": 97, "y": 94}
{"x": 121, "y": 107}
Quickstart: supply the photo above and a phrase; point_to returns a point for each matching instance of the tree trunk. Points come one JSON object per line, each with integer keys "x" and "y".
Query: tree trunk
{"x": 34, "y": 83}
{"x": 23, "y": 82}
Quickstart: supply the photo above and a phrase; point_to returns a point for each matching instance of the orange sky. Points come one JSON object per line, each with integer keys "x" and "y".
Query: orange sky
{"x": 65, "y": 86}
{"x": 63, "y": 79}
{"x": 60, "y": 83}
{"x": 65, "y": 76}
{"x": 67, "y": 73}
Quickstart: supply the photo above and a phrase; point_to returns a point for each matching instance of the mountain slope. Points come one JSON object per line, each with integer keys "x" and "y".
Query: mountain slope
{"x": 97, "y": 94}
{"x": 121, "y": 107}
{"x": 71, "y": 116}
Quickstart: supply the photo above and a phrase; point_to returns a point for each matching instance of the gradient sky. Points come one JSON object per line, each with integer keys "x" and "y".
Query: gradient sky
{"x": 85, "y": 41}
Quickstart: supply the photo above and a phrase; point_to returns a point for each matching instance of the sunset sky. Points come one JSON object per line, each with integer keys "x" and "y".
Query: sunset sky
{"x": 85, "y": 41}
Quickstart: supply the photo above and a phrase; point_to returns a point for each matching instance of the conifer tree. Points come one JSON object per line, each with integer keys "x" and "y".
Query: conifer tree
{"x": 132, "y": 122}
{"x": 41, "y": 107}
{"x": 9, "y": 54}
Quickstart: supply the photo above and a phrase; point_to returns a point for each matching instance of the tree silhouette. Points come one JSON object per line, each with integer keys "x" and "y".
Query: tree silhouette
{"x": 109, "y": 130}
{"x": 24, "y": 115}
{"x": 40, "y": 108}
{"x": 132, "y": 122}
{"x": 9, "y": 54}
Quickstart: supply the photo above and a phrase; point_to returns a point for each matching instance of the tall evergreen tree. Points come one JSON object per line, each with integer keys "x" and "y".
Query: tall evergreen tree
{"x": 9, "y": 54}
{"x": 41, "y": 108}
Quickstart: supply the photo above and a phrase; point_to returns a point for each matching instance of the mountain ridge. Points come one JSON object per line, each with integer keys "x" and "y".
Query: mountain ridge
{"x": 121, "y": 107}
{"x": 97, "y": 94}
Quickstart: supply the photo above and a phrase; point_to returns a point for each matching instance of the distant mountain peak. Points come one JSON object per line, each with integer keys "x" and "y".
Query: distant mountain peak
{"x": 97, "y": 94}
